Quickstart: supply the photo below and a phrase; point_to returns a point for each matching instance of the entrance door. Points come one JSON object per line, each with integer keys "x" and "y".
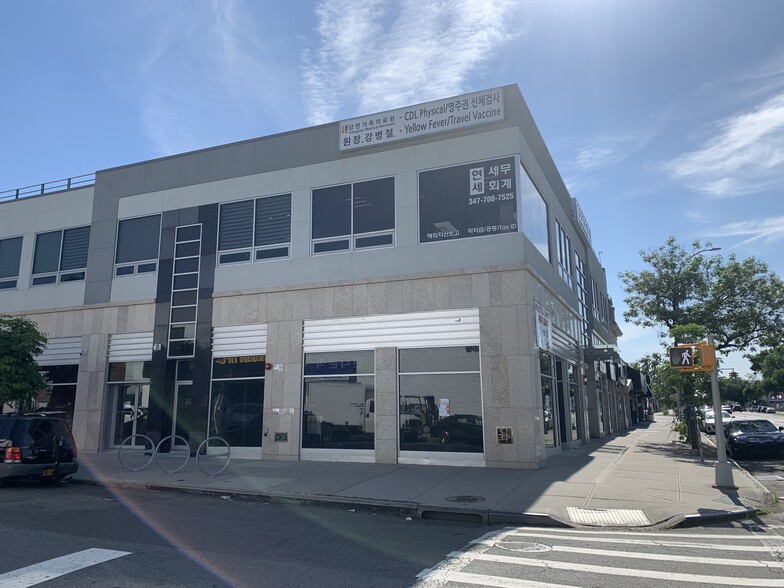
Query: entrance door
{"x": 131, "y": 403}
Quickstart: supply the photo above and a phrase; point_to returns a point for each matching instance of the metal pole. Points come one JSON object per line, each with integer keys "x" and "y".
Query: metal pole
{"x": 723, "y": 467}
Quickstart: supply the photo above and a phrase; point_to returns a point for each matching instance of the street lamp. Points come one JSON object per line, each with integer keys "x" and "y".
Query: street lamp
{"x": 723, "y": 467}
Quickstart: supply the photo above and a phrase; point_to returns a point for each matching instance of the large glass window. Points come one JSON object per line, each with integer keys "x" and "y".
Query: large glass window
{"x": 255, "y": 230}
{"x": 582, "y": 295}
{"x": 440, "y": 400}
{"x": 61, "y": 395}
{"x": 535, "y": 225}
{"x": 61, "y": 256}
{"x": 137, "y": 245}
{"x": 470, "y": 200}
{"x": 10, "y": 255}
{"x": 339, "y": 400}
{"x": 549, "y": 414}
{"x": 237, "y": 399}
{"x": 564, "y": 254}
{"x": 353, "y": 216}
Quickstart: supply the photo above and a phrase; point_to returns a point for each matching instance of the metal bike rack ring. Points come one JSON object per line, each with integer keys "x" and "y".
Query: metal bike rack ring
{"x": 174, "y": 454}
{"x": 129, "y": 449}
{"x": 204, "y": 447}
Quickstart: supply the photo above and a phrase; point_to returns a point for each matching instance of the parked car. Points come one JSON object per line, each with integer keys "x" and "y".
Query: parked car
{"x": 737, "y": 407}
{"x": 754, "y": 437}
{"x": 36, "y": 446}
{"x": 770, "y": 410}
{"x": 710, "y": 421}
{"x": 466, "y": 428}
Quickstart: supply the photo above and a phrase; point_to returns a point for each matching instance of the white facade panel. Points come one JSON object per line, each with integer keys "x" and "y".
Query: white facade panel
{"x": 239, "y": 340}
{"x": 130, "y": 347}
{"x": 420, "y": 329}
{"x": 61, "y": 351}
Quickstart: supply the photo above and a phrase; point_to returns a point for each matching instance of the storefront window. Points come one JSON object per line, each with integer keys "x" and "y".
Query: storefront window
{"x": 237, "y": 399}
{"x": 441, "y": 400}
{"x": 548, "y": 399}
{"x": 339, "y": 400}
{"x": 61, "y": 395}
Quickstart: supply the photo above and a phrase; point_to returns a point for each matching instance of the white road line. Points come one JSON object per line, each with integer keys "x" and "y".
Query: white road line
{"x": 681, "y": 544}
{"x": 749, "y": 563}
{"x": 653, "y": 533}
{"x": 59, "y": 566}
{"x": 491, "y": 581}
{"x": 631, "y": 573}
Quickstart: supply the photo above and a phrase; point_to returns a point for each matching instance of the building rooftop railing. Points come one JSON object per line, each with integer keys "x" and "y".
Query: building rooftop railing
{"x": 48, "y": 187}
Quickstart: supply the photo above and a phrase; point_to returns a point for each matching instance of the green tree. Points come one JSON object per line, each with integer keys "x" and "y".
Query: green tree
{"x": 20, "y": 343}
{"x": 741, "y": 303}
{"x": 769, "y": 363}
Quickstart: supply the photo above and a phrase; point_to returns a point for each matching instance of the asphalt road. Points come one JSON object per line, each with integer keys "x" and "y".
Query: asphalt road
{"x": 174, "y": 539}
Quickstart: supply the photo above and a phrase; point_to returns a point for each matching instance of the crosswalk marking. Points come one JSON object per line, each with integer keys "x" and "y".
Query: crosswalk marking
{"x": 59, "y": 566}
{"x": 549, "y": 551}
{"x": 635, "y": 573}
{"x": 714, "y": 561}
{"x": 711, "y": 546}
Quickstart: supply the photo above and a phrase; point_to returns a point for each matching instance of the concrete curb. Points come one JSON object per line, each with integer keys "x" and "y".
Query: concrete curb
{"x": 424, "y": 512}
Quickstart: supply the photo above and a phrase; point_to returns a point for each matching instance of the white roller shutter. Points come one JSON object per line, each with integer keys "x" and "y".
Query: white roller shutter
{"x": 419, "y": 329}
{"x": 130, "y": 347}
{"x": 61, "y": 351}
{"x": 240, "y": 340}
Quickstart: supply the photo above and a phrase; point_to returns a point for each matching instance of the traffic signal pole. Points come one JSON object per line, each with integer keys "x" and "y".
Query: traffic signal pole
{"x": 723, "y": 467}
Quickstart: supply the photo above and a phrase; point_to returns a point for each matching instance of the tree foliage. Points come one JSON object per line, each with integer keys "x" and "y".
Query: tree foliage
{"x": 769, "y": 363}
{"x": 20, "y": 343}
{"x": 741, "y": 303}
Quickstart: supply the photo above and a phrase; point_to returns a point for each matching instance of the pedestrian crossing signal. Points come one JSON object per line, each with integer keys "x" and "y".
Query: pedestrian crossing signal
{"x": 682, "y": 356}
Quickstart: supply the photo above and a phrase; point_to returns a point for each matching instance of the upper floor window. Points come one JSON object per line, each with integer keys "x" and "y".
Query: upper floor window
{"x": 600, "y": 307}
{"x": 61, "y": 256}
{"x": 10, "y": 255}
{"x": 255, "y": 230}
{"x": 353, "y": 216}
{"x": 582, "y": 295}
{"x": 137, "y": 245}
{"x": 564, "y": 255}
{"x": 535, "y": 225}
{"x": 470, "y": 200}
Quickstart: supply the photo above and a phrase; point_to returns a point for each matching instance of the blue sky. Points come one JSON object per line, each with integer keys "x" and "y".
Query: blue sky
{"x": 665, "y": 117}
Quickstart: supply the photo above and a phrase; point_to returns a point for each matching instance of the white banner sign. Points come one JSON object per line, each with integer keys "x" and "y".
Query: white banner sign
{"x": 544, "y": 330}
{"x": 424, "y": 119}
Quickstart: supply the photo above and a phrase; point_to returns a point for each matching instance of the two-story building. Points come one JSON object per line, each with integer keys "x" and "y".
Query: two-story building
{"x": 413, "y": 286}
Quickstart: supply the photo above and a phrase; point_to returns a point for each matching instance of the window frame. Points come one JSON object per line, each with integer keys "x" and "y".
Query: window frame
{"x": 253, "y": 250}
{"x": 564, "y": 254}
{"x": 353, "y": 237}
{"x": 10, "y": 282}
{"x": 527, "y": 209}
{"x": 140, "y": 266}
{"x": 59, "y": 276}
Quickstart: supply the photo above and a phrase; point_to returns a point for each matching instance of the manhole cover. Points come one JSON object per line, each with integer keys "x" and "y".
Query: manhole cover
{"x": 523, "y": 546}
{"x": 465, "y": 498}
{"x": 772, "y": 478}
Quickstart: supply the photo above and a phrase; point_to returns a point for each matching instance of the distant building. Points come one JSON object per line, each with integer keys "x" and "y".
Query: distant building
{"x": 413, "y": 286}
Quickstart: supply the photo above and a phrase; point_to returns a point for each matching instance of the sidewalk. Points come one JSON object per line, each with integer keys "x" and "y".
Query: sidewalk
{"x": 639, "y": 478}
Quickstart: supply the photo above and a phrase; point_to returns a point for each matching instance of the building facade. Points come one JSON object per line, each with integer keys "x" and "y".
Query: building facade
{"x": 415, "y": 286}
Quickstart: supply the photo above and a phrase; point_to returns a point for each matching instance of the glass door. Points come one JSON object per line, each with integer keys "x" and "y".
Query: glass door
{"x": 131, "y": 404}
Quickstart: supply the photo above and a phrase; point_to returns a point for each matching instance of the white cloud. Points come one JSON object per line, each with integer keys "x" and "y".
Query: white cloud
{"x": 744, "y": 156}
{"x": 764, "y": 230}
{"x": 608, "y": 149}
{"x": 201, "y": 63}
{"x": 378, "y": 54}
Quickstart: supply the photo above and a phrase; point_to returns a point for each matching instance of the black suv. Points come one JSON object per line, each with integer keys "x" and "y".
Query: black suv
{"x": 36, "y": 446}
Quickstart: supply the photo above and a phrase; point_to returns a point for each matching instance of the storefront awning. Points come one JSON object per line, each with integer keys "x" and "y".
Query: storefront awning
{"x": 601, "y": 354}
